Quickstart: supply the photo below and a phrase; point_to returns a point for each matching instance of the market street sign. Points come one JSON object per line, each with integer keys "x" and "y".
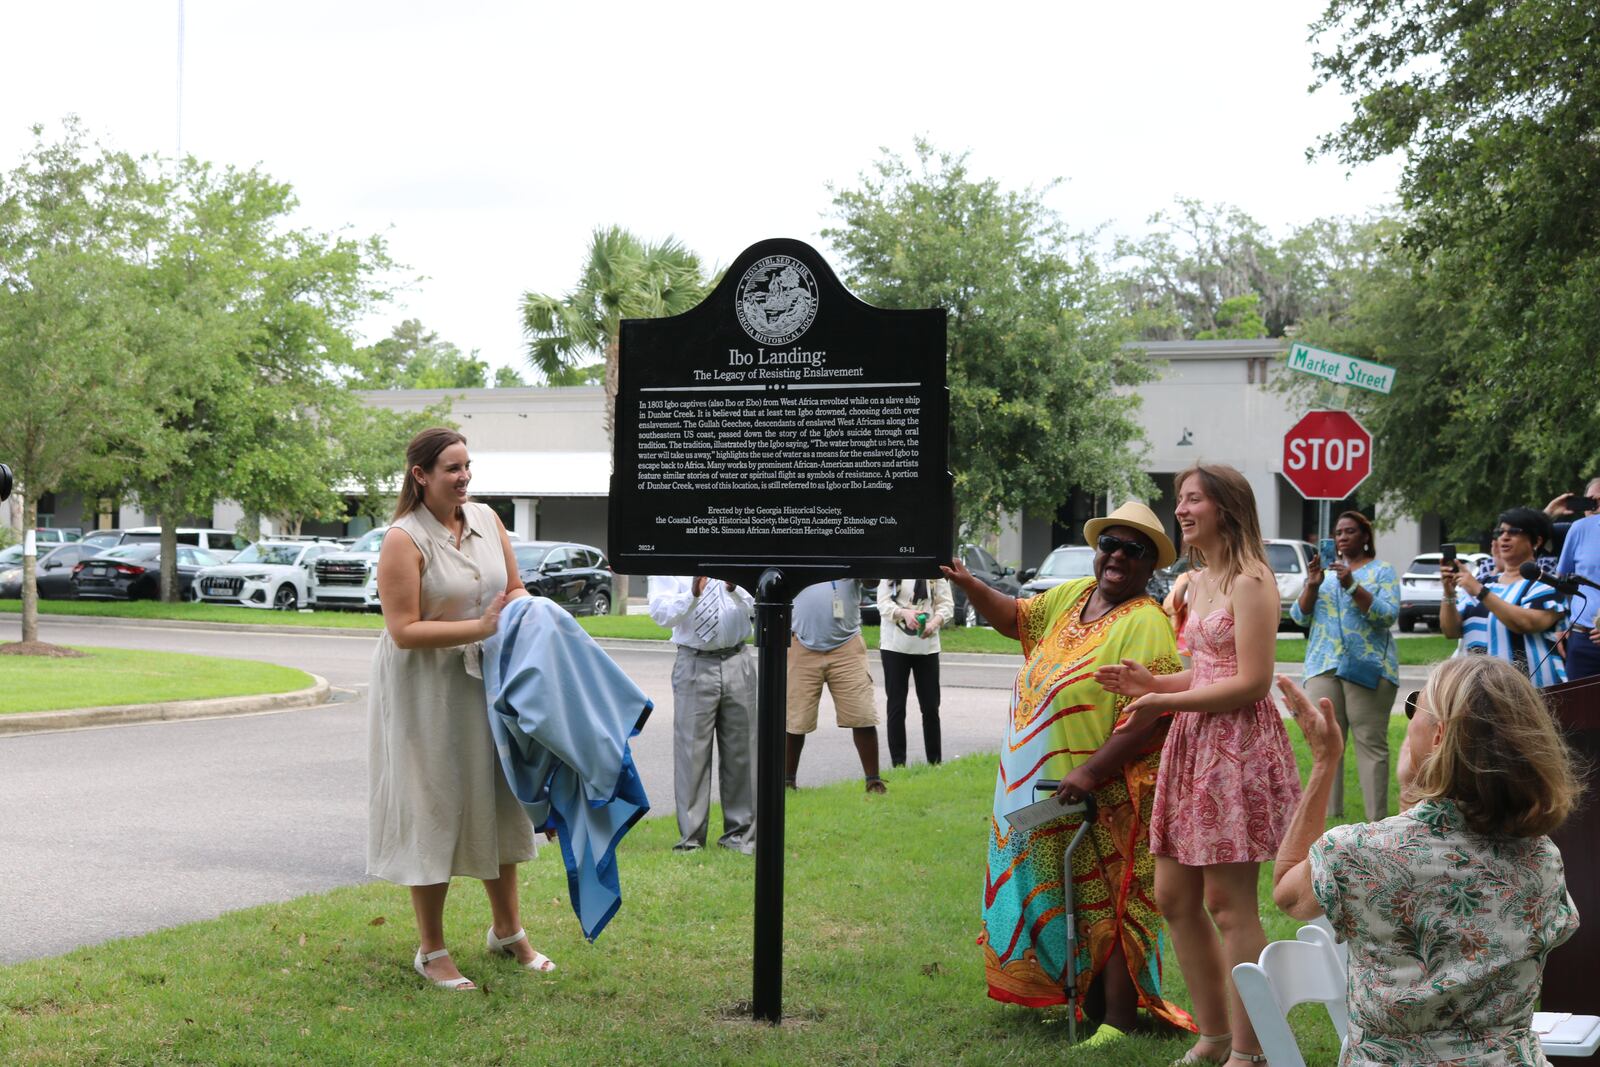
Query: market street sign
{"x": 1340, "y": 369}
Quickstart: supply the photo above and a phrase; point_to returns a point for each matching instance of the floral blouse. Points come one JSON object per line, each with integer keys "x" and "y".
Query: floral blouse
{"x": 1448, "y": 934}
{"x": 1342, "y": 632}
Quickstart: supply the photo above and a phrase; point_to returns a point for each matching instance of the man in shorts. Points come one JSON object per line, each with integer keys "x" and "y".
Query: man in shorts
{"x": 826, "y": 648}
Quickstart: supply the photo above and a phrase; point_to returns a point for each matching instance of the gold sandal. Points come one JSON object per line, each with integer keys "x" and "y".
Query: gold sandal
{"x": 1194, "y": 1059}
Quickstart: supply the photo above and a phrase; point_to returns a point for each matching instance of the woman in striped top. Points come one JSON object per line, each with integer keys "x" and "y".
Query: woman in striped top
{"x": 1508, "y": 616}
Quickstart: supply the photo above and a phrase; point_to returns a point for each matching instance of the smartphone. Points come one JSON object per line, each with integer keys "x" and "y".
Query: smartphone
{"x": 1447, "y": 557}
{"x": 1325, "y": 551}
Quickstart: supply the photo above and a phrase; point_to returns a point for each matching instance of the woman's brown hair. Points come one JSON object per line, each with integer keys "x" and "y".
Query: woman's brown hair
{"x": 423, "y": 451}
{"x": 1500, "y": 758}
{"x": 1235, "y": 503}
{"x": 1369, "y": 546}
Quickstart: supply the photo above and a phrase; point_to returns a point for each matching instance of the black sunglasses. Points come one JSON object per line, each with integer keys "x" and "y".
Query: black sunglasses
{"x": 1411, "y": 702}
{"x": 1131, "y": 549}
{"x": 1509, "y": 531}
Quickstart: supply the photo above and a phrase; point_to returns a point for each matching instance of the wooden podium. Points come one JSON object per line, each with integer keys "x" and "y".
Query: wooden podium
{"x": 1569, "y": 974}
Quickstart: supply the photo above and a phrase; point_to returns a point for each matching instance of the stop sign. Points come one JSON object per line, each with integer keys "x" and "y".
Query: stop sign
{"x": 1326, "y": 455}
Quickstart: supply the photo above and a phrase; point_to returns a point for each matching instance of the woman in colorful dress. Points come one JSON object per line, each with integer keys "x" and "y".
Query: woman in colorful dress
{"x": 1451, "y": 907}
{"x": 1506, "y": 615}
{"x": 1351, "y": 658}
{"x": 1228, "y": 782}
{"x": 1063, "y": 725}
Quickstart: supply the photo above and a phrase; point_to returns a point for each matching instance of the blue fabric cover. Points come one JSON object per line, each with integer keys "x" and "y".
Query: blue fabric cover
{"x": 562, "y": 712}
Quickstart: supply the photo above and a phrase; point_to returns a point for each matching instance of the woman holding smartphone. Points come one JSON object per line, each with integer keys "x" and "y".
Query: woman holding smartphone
{"x": 1508, "y": 616}
{"x": 1350, "y": 656}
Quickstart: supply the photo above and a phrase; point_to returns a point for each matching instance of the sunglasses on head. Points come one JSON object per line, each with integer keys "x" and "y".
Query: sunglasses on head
{"x": 1411, "y": 702}
{"x": 1131, "y": 549}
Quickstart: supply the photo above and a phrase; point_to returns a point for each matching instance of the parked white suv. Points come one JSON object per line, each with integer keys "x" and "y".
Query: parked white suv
{"x": 224, "y": 544}
{"x": 1289, "y": 561}
{"x": 268, "y": 574}
{"x": 348, "y": 578}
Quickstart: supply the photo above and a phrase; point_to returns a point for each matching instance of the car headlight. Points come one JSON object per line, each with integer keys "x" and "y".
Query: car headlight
{"x": 255, "y": 577}
{"x": 12, "y": 575}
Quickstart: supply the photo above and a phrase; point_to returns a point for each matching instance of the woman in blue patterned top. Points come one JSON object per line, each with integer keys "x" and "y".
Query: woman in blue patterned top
{"x": 1350, "y": 655}
{"x": 1508, "y": 616}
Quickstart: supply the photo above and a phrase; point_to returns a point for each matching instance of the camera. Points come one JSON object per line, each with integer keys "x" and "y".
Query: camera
{"x": 5, "y": 481}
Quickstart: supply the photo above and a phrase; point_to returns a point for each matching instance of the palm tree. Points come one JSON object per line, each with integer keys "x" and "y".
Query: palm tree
{"x": 625, "y": 278}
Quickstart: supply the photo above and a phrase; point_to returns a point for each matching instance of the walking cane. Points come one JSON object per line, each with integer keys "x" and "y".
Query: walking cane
{"x": 1087, "y": 809}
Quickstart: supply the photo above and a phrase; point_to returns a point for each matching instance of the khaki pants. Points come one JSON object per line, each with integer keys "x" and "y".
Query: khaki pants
{"x": 1364, "y": 717}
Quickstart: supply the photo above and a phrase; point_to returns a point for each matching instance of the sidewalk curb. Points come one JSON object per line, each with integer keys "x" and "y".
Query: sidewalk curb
{"x": 27, "y": 722}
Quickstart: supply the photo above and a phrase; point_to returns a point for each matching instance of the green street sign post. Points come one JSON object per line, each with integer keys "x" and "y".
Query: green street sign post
{"x": 1340, "y": 369}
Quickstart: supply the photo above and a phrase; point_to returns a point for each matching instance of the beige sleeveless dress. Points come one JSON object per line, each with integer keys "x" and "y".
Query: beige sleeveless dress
{"x": 439, "y": 806}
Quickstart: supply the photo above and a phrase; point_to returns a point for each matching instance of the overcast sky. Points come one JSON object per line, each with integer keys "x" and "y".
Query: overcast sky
{"x": 487, "y": 140}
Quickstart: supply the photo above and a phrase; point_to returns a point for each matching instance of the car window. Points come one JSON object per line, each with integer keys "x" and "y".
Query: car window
{"x": 528, "y": 556}
{"x": 1283, "y": 559}
{"x": 188, "y": 537}
{"x": 372, "y": 540}
{"x": 986, "y": 561}
{"x": 272, "y": 555}
{"x": 186, "y": 556}
{"x": 1425, "y": 565}
{"x": 1067, "y": 563}
{"x": 142, "y": 538}
{"x": 145, "y": 551}
{"x": 66, "y": 555}
{"x": 312, "y": 553}
{"x": 202, "y": 558}
{"x": 557, "y": 559}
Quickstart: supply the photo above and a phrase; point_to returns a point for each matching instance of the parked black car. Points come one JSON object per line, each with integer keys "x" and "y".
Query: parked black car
{"x": 987, "y": 570}
{"x": 575, "y": 576}
{"x": 52, "y": 573}
{"x": 133, "y": 572}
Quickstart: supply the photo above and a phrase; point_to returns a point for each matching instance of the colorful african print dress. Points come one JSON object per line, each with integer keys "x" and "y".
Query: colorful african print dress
{"x": 1059, "y": 718}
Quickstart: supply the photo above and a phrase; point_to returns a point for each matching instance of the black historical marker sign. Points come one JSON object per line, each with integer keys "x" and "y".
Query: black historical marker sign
{"x": 782, "y": 423}
{"x": 781, "y": 433}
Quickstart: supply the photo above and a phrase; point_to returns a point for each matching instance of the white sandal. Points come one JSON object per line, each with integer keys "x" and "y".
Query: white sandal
{"x": 420, "y": 965}
{"x": 498, "y": 946}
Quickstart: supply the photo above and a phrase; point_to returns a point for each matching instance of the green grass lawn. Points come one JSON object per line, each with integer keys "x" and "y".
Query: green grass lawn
{"x": 881, "y": 912}
{"x": 1413, "y": 650}
{"x": 107, "y": 676}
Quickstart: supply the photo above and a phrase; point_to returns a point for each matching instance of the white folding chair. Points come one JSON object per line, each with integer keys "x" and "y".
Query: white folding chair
{"x": 1290, "y": 973}
{"x": 1319, "y": 931}
{"x": 1567, "y": 1035}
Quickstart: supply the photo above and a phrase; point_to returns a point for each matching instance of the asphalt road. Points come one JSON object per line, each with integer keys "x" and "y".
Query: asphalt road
{"x": 116, "y": 831}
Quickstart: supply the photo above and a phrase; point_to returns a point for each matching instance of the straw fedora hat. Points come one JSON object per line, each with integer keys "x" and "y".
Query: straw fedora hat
{"x": 1138, "y": 517}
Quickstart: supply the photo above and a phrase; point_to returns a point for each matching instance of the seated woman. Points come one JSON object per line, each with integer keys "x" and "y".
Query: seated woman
{"x": 1451, "y": 907}
{"x": 1064, "y": 725}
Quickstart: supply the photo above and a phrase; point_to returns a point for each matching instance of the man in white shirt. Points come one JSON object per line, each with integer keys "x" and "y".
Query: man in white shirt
{"x": 713, "y": 695}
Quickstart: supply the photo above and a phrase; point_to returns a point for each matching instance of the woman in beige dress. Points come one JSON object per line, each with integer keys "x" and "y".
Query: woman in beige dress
{"x": 439, "y": 804}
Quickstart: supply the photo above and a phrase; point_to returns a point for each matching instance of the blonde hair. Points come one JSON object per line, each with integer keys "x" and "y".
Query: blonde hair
{"x": 1500, "y": 758}
{"x": 1235, "y": 502}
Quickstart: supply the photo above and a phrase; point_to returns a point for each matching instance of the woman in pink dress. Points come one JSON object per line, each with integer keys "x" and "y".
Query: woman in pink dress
{"x": 1228, "y": 784}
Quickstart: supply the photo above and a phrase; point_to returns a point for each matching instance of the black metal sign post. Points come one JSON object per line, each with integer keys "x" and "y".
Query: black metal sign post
{"x": 779, "y": 434}
{"x": 773, "y": 609}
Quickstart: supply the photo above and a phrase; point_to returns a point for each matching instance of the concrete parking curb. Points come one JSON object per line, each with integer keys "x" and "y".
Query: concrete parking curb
{"x": 27, "y": 722}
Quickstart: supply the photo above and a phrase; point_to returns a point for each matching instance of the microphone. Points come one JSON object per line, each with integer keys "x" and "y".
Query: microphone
{"x": 1566, "y": 584}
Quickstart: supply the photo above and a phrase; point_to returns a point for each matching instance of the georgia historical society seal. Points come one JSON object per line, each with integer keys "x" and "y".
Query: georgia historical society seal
{"x": 777, "y": 300}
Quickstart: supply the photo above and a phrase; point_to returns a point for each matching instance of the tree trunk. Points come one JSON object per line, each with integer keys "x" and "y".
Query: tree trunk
{"x": 619, "y": 582}
{"x": 30, "y": 571}
{"x": 169, "y": 558}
